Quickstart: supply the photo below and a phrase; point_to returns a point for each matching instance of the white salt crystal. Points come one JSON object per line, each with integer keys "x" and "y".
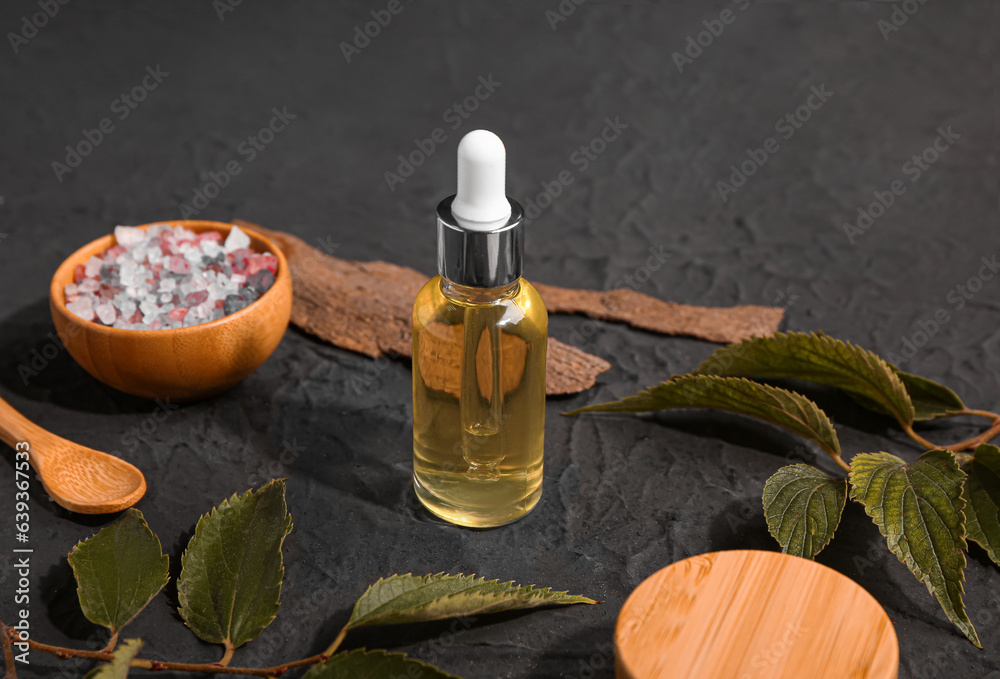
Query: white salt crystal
{"x": 168, "y": 284}
{"x": 237, "y": 240}
{"x": 211, "y": 248}
{"x": 127, "y": 235}
{"x": 166, "y": 297}
{"x": 106, "y": 312}
{"x": 88, "y": 285}
{"x": 82, "y": 307}
{"x": 70, "y": 290}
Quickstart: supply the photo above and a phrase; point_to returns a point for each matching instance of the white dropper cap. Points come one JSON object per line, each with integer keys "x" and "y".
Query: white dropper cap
{"x": 481, "y": 199}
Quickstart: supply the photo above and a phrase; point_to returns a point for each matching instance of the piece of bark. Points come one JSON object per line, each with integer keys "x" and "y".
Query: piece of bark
{"x": 366, "y": 307}
{"x": 715, "y": 324}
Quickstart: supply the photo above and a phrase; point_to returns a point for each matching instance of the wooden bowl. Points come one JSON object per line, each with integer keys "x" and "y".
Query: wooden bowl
{"x": 748, "y": 614}
{"x": 179, "y": 364}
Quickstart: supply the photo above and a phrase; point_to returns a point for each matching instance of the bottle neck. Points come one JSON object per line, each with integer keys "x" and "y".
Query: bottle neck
{"x": 479, "y": 259}
{"x": 467, "y": 294}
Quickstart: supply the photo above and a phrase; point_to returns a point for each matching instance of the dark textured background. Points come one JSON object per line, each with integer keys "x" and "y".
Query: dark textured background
{"x": 624, "y": 496}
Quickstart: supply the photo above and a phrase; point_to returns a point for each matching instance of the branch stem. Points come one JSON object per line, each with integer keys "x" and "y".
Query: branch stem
{"x": 985, "y": 437}
{"x": 336, "y": 642}
{"x": 908, "y": 428}
{"x": 204, "y": 668}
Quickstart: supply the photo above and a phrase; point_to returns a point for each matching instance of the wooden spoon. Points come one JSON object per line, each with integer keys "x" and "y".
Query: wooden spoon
{"x": 80, "y": 479}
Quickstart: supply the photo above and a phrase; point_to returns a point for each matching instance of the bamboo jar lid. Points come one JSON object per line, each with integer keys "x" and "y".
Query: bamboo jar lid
{"x": 750, "y": 614}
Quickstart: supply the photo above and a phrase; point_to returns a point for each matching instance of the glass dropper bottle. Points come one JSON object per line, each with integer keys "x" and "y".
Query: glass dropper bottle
{"x": 479, "y": 341}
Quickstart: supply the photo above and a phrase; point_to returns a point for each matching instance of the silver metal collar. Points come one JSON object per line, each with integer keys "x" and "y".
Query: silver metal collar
{"x": 481, "y": 259}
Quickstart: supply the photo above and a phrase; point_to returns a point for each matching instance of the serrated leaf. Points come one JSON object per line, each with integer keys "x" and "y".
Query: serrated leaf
{"x": 230, "y": 582}
{"x": 982, "y": 494}
{"x": 118, "y": 571}
{"x": 803, "y": 506}
{"x": 816, "y": 358}
{"x": 362, "y": 664}
{"x": 780, "y": 407}
{"x": 407, "y": 598}
{"x": 119, "y": 667}
{"x": 931, "y": 400}
{"x": 919, "y": 509}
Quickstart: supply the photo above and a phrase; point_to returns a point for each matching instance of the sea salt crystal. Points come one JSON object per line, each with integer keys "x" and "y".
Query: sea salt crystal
{"x": 106, "y": 312}
{"x": 237, "y": 240}
{"x": 88, "y": 285}
{"x": 169, "y": 277}
{"x": 92, "y": 267}
{"x": 129, "y": 235}
{"x": 83, "y": 307}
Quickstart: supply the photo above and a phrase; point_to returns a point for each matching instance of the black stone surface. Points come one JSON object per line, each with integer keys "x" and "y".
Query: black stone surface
{"x": 624, "y": 496}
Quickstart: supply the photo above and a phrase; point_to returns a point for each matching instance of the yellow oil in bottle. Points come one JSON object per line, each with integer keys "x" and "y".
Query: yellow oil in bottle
{"x": 478, "y": 400}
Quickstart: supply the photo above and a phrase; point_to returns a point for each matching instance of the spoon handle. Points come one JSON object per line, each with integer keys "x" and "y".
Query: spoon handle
{"x": 15, "y": 427}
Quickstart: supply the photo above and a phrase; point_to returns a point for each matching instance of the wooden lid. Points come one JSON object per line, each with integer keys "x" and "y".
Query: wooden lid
{"x": 753, "y": 615}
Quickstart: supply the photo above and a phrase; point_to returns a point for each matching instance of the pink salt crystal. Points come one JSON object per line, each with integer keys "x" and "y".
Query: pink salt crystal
{"x": 79, "y": 273}
{"x": 265, "y": 261}
{"x": 194, "y": 298}
{"x": 179, "y": 265}
{"x": 93, "y": 267}
{"x": 114, "y": 251}
{"x": 178, "y": 314}
{"x": 155, "y": 325}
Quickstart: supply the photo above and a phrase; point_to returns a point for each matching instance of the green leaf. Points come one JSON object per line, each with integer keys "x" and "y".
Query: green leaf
{"x": 780, "y": 407}
{"x": 816, "y": 358}
{"x": 982, "y": 491}
{"x": 930, "y": 399}
{"x": 803, "y": 506}
{"x": 118, "y": 571}
{"x": 232, "y": 568}
{"x": 362, "y": 664}
{"x": 918, "y": 507}
{"x": 407, "y": 598}
{"x": 117, "y": 668}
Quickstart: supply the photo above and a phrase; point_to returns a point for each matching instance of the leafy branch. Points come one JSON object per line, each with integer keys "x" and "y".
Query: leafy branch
{"x": 229, "y": 590}
{"x": 926, "y": 509}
